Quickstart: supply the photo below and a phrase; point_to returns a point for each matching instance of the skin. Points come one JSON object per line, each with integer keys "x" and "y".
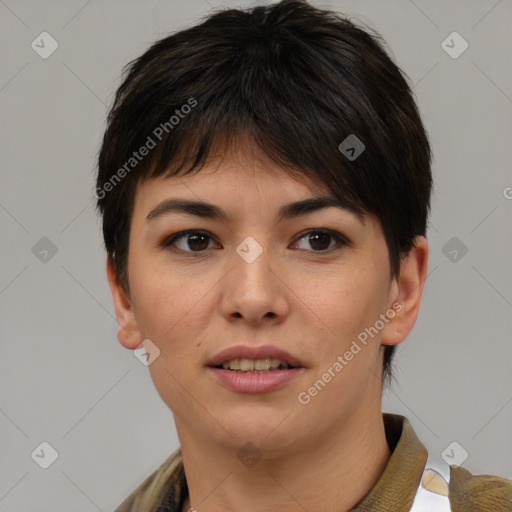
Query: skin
{"x": 325, "y": 455}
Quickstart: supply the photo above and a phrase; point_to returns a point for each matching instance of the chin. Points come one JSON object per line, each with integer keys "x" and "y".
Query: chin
{"x": 263, "y": 426}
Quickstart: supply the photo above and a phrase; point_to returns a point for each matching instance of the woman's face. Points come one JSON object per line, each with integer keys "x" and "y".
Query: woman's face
{"x": 253, "y": 279}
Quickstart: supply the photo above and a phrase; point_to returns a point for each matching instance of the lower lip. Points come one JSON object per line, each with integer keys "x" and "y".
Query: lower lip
{"x": 255, "y": 382}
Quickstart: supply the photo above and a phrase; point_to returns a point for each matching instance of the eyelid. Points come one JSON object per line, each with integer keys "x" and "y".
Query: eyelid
{"x": 169, "y": 240}
{"x": 339, "y": 237}
{"x": 341, "y": 240}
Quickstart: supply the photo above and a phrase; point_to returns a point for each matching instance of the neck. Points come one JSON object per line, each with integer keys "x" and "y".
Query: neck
{"x": 332, "y": 473}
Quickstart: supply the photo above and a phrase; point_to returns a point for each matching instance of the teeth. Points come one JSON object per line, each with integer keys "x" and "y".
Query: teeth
{"x": 250, "y": 365}
{"x": 262, "y": 364}
{"x": 233, "y": 365}
{"x": 246, "y": 365}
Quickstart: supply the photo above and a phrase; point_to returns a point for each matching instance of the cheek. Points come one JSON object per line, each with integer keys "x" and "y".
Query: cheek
{"x": 173, "y": 314}
{"x": 346, "y": 302}
{"x": 168, "y": 306}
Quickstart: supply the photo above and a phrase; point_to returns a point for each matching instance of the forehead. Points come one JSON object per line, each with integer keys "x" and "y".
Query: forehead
{"x": 239, "y": 180}
{"x": 241, "y": 176}
{"x": 239, "y": 158}
{"x": 162, "y": 198}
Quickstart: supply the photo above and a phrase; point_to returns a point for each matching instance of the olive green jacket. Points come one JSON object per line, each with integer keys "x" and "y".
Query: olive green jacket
{"x": 165, "y": 490}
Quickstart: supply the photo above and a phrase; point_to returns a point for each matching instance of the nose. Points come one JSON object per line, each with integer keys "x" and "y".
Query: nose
{"x": 253, "y": 289}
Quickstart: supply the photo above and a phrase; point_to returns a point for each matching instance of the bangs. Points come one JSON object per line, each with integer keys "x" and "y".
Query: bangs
{"x": 289, "y": 81}
{"x": 190, "y": 153}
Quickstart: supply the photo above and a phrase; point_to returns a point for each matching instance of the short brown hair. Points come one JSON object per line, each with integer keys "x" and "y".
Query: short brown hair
{"x": 299, "y": 80}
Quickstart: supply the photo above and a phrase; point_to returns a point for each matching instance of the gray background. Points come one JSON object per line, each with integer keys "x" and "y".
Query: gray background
{"x": 64, "y": 377}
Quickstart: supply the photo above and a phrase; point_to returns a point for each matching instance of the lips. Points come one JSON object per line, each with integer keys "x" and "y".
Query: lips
{"x": 254, "y": 353}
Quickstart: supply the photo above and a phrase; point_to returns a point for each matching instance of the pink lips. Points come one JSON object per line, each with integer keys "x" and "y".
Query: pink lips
{"x": 254, "y": 382}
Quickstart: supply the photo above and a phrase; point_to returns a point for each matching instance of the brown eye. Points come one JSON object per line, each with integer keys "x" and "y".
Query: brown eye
{"x": 320, "y": 240}
{"x": 190, "y": 241}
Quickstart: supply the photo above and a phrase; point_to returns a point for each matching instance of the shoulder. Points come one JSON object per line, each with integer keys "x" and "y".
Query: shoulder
{"x": 485, "y": 493}
{"x": 150, "y": 493}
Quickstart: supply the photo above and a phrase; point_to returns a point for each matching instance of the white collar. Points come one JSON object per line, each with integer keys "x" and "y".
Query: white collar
{"x": 432, "y": 493}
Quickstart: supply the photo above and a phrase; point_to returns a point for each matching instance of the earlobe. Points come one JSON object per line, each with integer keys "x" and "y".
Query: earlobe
{"x": 128, "y": 332}
{"x": 406, "y": 293}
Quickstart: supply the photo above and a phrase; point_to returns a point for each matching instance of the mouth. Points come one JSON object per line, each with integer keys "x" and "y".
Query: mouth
{"x": 248, "y": 369}
{"x": 249, "y": 359}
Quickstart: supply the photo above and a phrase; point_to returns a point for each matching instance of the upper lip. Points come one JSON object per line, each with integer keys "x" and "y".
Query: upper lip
{"x": 254, "y": 353}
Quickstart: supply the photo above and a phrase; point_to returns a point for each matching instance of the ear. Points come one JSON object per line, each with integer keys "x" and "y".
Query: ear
{"x": 128, "y": 332}
{"x": 405, "y": 293}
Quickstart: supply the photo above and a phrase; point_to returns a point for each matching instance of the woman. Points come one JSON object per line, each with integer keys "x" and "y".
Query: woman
{"x": 264, "y": 183}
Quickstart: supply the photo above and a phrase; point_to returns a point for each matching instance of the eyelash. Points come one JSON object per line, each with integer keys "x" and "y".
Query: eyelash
{"x": 168, "y": 242}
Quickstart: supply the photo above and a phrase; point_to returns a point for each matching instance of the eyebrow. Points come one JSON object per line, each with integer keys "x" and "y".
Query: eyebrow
{"x": 286, "y": 211}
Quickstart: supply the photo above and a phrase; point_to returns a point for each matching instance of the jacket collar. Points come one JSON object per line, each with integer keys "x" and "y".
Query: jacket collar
{"x": 395, "y": 489}
{"x": 397, "y": 486}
